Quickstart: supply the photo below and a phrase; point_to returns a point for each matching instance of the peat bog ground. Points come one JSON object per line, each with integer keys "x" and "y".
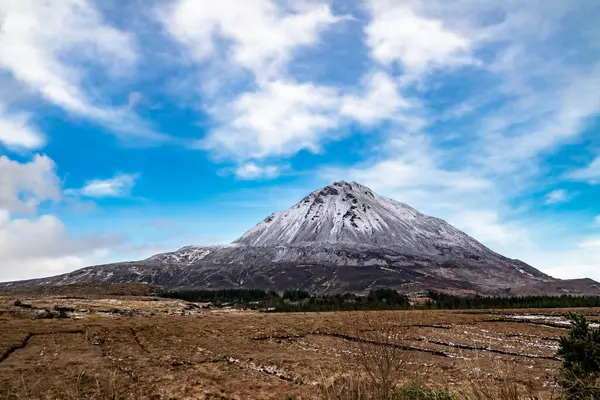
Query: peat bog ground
{"x": 110, "y": 346}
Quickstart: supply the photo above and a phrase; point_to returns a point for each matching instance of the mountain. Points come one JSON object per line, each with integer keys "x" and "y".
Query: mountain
{"x": 350, "y": 213}
{"x": 341, "y": 238}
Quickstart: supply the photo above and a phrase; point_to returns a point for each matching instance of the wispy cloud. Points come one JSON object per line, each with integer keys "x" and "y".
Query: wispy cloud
{"x": 590, "y": 243}
{"x": 51, "y": 49}
{"x": 557, "y": 196}
{"x": 118, "y": 186}
{"x": 589, "y": 173}
{"x": 252, "y": 171}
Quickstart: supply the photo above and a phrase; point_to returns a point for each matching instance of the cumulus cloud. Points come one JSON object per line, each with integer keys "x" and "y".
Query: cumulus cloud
{"x": 35, "y": 245}
{"x": 40, "y": 247}
{"x": 276, "y": 115}
{"x": 17, "y": 132}
{"x": 259, "y": 36}
{"x": 118, "y": 186}
{"x": 398, "y": 34}
{"x": 284, "y": 117}
{"x": 380, "y": 100}
{"x": 24, "y": 186}
{"x": 280, "y": 119}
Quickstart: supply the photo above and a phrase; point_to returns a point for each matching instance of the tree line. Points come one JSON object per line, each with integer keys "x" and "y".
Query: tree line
{"x": 380, "y": 299}
{"x": 446, "y": 301}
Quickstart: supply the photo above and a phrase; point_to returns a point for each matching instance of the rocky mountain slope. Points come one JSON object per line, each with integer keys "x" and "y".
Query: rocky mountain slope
{"x": 341, "y": 238}
{"x": 351, "y": 213}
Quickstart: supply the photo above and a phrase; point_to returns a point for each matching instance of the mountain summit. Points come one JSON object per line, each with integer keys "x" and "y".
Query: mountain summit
{"x": 351, "y": 213}
{"x": 341, "y": 238}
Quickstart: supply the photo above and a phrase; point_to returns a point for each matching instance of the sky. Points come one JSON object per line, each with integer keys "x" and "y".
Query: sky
{"x": 132, "y": 127}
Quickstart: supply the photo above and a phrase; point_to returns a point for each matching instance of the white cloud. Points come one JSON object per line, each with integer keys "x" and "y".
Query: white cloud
{"x": 535, "y": 95}
{"x": 540, "y": 118}
{"x": 589, "y": 173}
{"x": 590, "y": 243}
{"x": 284, "y": 117}
{"x": 414, "y": 163}
{"x": 252, "y": 171}
{"x": 542, "y": 95}
{"x": 417, "y": 173}
{"x": 37, "y": 245}
{"x": 260, "y": 35}
{"x": 276, "y": 116}
{"x": 16, "y": 131}
{"x": 118, "y": 186}
{"x": 396, "y": 33}
{"x": 381, "y": 100}
{"x": 24, "y": 186}
{"x": 281, "y": 119}
{"x": 51, "y": 47}
{"x": 556, "y": 197}
{"x": 40, "y": 237}
{"x": 489, "y": 226}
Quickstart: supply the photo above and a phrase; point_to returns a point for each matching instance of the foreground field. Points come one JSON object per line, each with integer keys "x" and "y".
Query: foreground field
{"x": 142, "y": 347}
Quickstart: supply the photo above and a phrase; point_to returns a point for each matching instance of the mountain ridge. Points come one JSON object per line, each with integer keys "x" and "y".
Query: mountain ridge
{"x": 342, "y": 237}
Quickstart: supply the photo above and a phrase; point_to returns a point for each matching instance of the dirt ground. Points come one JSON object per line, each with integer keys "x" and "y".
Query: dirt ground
{"x": 56, "y": 346}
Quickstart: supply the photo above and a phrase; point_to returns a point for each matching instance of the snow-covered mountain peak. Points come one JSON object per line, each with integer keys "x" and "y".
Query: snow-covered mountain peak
{"x": 348, "y": 212}
{"x": 341, "y": 238}
{"x": 351, "y": 194}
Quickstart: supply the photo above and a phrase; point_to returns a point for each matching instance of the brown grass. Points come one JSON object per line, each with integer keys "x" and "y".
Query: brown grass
{"x": 159, "y": 353}
{"x": 379, "y": 356}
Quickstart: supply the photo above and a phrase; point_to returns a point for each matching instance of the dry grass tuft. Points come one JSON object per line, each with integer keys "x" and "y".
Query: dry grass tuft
{"x": 84, "y": 386}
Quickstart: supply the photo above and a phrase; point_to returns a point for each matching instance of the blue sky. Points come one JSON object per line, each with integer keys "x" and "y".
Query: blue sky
{"x": 133, "y": 127}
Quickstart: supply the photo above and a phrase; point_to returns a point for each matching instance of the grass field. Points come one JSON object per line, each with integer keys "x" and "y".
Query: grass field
{"x": 115, "y": 347}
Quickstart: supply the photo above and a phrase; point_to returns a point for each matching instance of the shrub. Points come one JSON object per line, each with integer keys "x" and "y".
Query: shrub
{"x": 580, "y": 351}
